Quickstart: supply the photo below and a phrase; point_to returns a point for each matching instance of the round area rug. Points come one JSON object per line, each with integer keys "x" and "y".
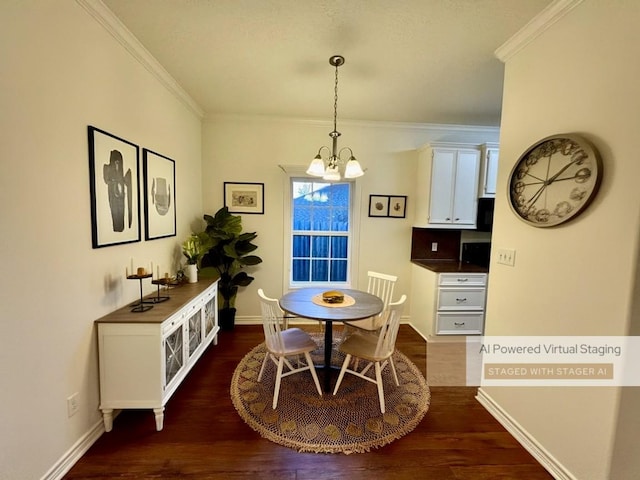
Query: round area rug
{"x": 349, "y": 422}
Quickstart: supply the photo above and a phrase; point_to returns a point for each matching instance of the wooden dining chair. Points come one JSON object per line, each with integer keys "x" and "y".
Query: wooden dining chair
{"x": 376, "y": 350}
{"x": 282, "y": 344}
{"x": 380, "y": 285}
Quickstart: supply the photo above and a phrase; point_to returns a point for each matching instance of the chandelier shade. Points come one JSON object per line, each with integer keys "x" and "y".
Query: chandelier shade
{"x": 329, "y": 168}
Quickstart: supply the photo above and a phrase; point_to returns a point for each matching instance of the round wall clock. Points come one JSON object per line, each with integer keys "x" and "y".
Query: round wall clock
{"x": 554, "y": 180}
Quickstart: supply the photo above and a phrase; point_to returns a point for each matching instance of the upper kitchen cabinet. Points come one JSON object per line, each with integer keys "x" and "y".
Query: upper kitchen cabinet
{"x": 447, "y": 193}
{"x": 489, "y": 169}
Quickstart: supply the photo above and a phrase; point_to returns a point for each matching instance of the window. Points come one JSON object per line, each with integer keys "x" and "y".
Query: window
{"x": 320, "y": 232}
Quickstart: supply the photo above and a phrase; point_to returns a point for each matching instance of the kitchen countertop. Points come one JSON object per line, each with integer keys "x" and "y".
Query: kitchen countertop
{"x": 449, "y": 266}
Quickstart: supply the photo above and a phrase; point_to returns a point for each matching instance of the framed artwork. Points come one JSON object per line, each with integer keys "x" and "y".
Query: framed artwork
{"x": 244, "y": 197}
{"x": 378, "y": 205}
{"x": 397, "y": 206}
{"x": 159, "y": 195}
{"x": 114, "y": 189}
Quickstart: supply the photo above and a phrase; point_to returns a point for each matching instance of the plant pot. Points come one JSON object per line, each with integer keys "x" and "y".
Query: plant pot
{"x": 191, "y": 271}
{"x": 227, "y": 318}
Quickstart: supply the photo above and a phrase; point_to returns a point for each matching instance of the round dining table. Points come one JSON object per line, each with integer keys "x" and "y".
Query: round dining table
{"x": 300, "y": 303}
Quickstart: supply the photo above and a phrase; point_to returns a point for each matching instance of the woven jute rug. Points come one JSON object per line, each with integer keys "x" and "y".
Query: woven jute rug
{"x": 349, "y": 422}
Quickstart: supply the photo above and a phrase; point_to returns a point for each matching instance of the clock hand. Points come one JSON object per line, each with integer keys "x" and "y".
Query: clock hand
{"x": 553, "y": 179}
{"x": 536, "y": 195}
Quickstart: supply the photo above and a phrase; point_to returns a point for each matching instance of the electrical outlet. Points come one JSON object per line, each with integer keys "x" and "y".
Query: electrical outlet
{"x": 507, "y": 256}
{"x": 434, "y": 246}
{"x": 72, "y": 405}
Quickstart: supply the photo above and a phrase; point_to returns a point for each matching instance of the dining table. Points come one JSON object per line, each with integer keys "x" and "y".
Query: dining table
{"x": 308, "y": 303}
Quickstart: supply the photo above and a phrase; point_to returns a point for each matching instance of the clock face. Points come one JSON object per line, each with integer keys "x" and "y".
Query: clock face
{"x": 554, "y": 180}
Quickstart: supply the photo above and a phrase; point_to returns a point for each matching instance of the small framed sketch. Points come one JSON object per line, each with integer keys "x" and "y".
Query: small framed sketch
{"x": 397, "y": 206}
{"x": 378, "y": 205}
{"x": 114, "y": 189}
{"x": 244, "y": 197}
{"x": 159, "y": 195}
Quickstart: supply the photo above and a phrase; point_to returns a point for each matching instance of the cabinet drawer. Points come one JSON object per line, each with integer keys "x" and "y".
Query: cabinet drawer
{"x": 461, "y": 298}
{"x": 459, "y": 323}
{"x": 463, "y": 279}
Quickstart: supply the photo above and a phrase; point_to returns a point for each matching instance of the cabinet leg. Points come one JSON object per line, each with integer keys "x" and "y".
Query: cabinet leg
{"x": 159, "y": 418}
{"x": 107, "y": 417}
{"x": 215, "y": 340}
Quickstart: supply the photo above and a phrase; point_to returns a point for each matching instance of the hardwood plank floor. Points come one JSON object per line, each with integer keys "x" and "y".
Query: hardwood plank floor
{"x": 204, "y": 438}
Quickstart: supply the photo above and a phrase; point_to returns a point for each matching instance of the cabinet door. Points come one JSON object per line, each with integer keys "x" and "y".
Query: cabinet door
{"x": 465, "y": 199}
{"x": 442, "y": 185}
{"x": 210, "y": 311}
{"x": 490, "y": 172}
{"x": 173, "y": 354}
{"x": 194, "y": 329}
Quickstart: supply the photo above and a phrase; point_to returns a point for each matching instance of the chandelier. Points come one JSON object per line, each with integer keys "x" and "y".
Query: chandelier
{"x": 331, "y": 171}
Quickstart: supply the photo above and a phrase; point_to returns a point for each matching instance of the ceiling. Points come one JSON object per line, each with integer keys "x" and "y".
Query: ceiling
{"x": 421, "y": 61}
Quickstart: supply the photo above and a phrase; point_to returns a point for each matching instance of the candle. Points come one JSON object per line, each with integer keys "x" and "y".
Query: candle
{"x": 158, "y": 272}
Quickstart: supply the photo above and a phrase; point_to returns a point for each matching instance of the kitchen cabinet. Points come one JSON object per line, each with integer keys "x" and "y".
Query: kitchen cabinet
{"x": 489, "y": 169}
{"x": 448, "y": 176}
{"x": 144, "y": 357}
{"x": 460, "y": 304}
{"x": 447, "y": 303}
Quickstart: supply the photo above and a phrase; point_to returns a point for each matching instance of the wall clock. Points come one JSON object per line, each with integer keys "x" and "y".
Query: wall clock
{"x": 554, "y": 180}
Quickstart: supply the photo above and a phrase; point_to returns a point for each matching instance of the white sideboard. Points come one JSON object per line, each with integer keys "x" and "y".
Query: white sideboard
{"x": 144, "y": 357}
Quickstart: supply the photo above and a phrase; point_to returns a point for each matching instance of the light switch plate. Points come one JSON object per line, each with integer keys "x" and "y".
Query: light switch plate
{"x": 507, "y": 256}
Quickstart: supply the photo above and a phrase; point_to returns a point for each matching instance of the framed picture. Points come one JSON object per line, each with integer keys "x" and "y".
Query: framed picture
{"x": 114, "y": 189}
{"x": 397, "y": 206}
{"x": 378, "y": 206}
{"x": 244, "y": 197}
{"x": 159, "y": 195}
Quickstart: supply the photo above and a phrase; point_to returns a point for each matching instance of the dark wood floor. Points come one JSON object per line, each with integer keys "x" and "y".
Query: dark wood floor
{"x": 204, "y": 438}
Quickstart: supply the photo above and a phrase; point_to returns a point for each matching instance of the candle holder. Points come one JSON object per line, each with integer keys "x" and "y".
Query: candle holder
{"x": 167, "y": 282}
{"x": 140, "y": 306}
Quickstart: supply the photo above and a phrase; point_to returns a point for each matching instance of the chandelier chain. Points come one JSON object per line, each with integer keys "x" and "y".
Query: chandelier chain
{"x": 335, "y": 102}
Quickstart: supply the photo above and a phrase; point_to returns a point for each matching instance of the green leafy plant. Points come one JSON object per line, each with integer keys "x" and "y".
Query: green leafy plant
{"x": 228, "y": 254}
{"x": 194, "y": 247}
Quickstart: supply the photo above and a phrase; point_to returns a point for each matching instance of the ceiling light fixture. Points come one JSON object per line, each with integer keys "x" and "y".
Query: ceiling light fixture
{"x": 331, "y": 172}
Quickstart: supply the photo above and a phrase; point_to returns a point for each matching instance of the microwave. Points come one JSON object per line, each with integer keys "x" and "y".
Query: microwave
{"x": 484, "y": 220}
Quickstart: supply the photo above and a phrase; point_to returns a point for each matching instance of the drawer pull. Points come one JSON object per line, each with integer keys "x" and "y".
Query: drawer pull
{"x": 460, "y": 300}
{"x": 459, "y": 324}
{"x": 463, "y": 279}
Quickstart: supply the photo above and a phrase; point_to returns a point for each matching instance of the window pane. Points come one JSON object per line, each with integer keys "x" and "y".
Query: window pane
{"x": 320, "y": 272}
{"x": 339, "y": 247}
{"x": 340, "y": 219}
{"x": 338, "y": 270}
{"x": 301, "y": 245}
{"x": 320, "y": 247}
{"x": 300, "y": 271}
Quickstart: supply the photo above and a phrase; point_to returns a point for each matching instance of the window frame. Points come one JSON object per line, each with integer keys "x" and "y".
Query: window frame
{"x": 298, "y": 173}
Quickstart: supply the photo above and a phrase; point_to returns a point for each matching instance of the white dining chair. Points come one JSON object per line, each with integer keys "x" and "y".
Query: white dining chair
{"x": 282, "y": 344}
{"x": 376, "y": 350}
{"x": 380, "y": 285}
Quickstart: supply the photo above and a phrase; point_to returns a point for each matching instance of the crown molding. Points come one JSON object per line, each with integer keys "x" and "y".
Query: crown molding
{"x": 541, "y": 22}
{"x": 112, "y": 24}
{"x": 386, "y": 125}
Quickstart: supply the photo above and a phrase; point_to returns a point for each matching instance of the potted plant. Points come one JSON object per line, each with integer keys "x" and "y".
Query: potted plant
{"x": 228, "y": 254}
{"x": 193, "y": 248}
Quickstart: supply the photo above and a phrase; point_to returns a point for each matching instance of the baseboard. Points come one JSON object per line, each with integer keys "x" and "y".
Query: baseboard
{"x": 548, "y": 461}
{"x": 69, "y": 459}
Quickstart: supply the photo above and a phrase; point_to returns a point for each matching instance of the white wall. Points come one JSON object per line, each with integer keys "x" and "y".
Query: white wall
{"x": 62, "y": 71}
{"x": 249, "y": 149}
{"x": 579, "y": 76}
